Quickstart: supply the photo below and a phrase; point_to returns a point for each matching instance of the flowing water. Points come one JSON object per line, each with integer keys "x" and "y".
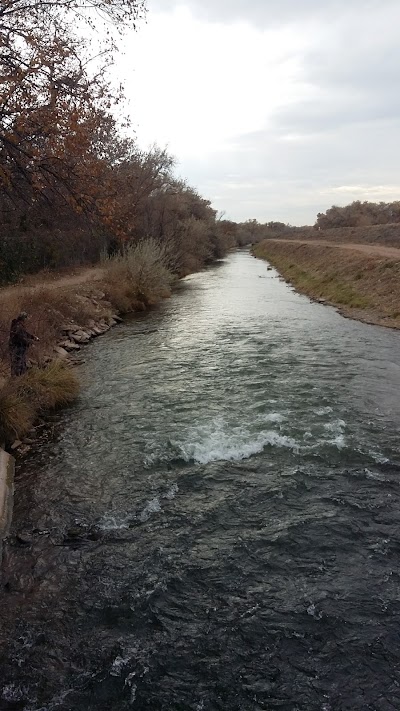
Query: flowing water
{"x": 215, "y": 524}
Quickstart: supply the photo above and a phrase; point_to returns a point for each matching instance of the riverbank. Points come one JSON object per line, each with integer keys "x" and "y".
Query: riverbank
{"x": 65, "y": 312}
{"x": 360, "y": 281}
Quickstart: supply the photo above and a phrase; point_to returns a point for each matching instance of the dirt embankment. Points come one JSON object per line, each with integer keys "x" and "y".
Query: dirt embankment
{"x": 57, "y": 304}
{"x": 361, "y": 280}
{"x": 65, "y": 312}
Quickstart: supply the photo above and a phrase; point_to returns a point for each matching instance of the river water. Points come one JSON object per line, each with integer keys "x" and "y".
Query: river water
{"x": 215, "y": 524}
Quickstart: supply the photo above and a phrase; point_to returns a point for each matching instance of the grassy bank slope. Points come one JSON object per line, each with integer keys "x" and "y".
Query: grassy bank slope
{"x": 362, "y": 286}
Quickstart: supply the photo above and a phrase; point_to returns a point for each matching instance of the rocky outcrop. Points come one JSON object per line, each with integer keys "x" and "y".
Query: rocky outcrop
{"x": 75, "y": 335}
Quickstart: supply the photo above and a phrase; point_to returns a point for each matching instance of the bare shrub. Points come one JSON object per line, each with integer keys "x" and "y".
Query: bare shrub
{"x": 139, "y": 275}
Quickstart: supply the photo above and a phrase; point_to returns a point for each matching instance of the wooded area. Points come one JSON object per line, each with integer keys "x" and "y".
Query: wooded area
{"x": 74, "y": 184}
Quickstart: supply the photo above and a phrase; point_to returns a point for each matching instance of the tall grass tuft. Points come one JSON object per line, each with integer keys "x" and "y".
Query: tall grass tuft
{"x": 17, "y": 414}
{"x": 39, "y": 390}
{"x": 138, "y": 276}
{"x": 47, "y": 388}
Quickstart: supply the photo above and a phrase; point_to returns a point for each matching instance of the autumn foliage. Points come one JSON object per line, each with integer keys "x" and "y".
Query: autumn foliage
{"x": 73, "y": 185}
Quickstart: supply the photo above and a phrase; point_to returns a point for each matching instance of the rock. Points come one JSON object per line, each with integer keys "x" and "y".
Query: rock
{"x": 79, "y": 336}
{"x": 70, "y": 328}
{"x": 70, "y": 346}
{"x": 61, "y": 352}
{"x": 117, "y": 318}
{"x": 16, "y": 444}
{"x": 103, "y": 325}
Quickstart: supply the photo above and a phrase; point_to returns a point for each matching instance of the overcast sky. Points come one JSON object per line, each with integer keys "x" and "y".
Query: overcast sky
{"x": 274, "y": 109}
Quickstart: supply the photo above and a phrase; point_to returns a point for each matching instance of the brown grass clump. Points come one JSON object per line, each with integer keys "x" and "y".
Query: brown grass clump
{"x": 26, "y": 397}
{"x": 17, "y": 414}
{"x": 51, "y": 387}
{"x": 362, "y": 285}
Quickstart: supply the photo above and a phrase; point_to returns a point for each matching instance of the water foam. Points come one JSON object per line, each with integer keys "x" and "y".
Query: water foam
{"x": 172, "y": 492}
{"x": 151, "y": 507}
{"x": 336, "y": 429}
{"x": 218, "y": 442}
{"x": 113, "y": 523}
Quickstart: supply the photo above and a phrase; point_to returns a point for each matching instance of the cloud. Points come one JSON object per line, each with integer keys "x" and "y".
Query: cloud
{"x": 267, "y": 12}
{"x": 275, "y": 109}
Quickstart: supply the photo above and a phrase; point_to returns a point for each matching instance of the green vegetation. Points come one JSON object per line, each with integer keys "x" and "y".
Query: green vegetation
{"x": 328, "y": 286}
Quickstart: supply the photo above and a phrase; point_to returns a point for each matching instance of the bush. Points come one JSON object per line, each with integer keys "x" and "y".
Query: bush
{"x": 139, "y": 275}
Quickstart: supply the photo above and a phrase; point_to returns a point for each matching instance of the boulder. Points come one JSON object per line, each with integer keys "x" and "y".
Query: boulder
{"x": 103, "y": 325}
{"x": 70, "y": 327}
{"x": 79, "y": 336}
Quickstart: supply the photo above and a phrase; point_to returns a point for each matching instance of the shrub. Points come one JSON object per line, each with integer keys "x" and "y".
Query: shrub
{"x": 139, "y": 275}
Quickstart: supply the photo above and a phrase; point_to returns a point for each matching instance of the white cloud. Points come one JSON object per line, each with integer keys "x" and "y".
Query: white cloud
{"x": 274, "y": 110}
{"x": 197, "y": 85}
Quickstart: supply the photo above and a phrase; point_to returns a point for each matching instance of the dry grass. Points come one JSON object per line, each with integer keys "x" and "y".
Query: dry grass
{"x": 47, "y": 388}
{"x": 17, "y": 414}
{"x": 140, "y": 277}
{"x": 385, "y": 235}
{"x": 48, "y": 309}
{"x": 38, "y": 391}
{"x": 364, "y": 286}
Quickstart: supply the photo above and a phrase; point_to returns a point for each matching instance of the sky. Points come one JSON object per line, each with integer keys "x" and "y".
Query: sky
{"x": 273, "y": 109}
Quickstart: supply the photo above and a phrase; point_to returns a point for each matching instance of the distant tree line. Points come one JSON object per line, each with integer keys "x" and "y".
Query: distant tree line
{"x": 359, "y": 214}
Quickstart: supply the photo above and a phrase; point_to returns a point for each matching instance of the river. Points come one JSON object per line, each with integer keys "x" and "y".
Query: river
{"x": 215, "y": 524}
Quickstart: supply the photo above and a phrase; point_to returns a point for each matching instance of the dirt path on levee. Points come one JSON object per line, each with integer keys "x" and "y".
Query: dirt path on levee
{"x": 373, "y": 250}
{"x": 56, "y": 280}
